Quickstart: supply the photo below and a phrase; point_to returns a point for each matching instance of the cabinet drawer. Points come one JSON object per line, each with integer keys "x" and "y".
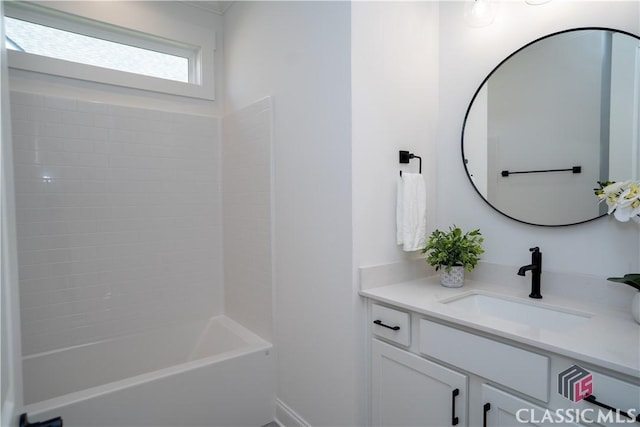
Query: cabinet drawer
{"x": 391, "y": 324}
{"x": 513, "y": 367}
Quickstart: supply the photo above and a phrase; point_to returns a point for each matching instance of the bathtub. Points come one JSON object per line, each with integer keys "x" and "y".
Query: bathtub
{"x": 213, "y": 373}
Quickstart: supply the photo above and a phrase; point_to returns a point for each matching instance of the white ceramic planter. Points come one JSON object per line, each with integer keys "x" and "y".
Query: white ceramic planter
{"x": 635, "y": 307}
{"x": 453, "y": 278}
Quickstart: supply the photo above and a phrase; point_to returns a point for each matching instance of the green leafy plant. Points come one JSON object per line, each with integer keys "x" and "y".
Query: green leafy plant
{"x": 454, "y": 248}
{"x": 632, "y": 280}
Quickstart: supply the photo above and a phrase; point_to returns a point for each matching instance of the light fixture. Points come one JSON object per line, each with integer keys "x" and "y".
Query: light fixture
{"x": 479, "y": 13}
{"x": 536, "y": 2}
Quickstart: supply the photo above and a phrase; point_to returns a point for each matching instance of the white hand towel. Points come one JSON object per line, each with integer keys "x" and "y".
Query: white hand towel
{"x": 400, "y": 212}
{"x": 411, "y": 212}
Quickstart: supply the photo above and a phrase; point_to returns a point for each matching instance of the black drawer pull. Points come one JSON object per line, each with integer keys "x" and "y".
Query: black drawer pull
{"x": 393, "y": 328}
{"x": 454, "y": 420}
{"x": 53, "y": 422}
{"x": 485, "y": 409}
{"x": 592, "y": 399}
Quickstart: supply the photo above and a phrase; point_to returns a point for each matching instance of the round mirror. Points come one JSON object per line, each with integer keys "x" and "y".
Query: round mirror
{"x": 553, "y": 119}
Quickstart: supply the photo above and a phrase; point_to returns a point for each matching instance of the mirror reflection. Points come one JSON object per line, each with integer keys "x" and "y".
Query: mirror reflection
{"x": 553, "y": 119}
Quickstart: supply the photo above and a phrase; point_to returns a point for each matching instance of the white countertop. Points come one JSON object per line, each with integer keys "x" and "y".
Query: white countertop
{"x": 610, "y": 338}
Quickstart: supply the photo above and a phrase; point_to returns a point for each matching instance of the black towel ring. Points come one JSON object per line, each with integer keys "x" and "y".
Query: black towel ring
{"x": 406, "y": 156}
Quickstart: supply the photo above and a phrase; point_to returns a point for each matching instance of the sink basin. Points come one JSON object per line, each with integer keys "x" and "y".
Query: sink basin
{"x": 540, "y": 316}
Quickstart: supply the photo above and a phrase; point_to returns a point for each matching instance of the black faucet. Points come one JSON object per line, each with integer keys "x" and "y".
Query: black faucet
{"x": 536, "y": 269}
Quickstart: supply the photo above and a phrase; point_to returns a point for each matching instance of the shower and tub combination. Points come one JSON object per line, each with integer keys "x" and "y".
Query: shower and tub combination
{"x": 137, "y": 304}
{"x": 202, "y": 374}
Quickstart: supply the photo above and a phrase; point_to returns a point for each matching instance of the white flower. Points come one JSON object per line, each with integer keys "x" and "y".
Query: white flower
{"x": 615, "y": 188}
{"x": 622, "y": 198}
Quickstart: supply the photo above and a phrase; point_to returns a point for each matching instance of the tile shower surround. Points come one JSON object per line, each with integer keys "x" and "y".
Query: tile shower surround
{"x": 118, "y": 219}
{"x": 247, "y": 217}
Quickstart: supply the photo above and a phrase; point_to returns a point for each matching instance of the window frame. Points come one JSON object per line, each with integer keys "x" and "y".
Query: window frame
{"x": 199, "y": 58}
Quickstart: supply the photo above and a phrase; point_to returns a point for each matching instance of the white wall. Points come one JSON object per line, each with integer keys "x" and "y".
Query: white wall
{"x": 299, "y": 53}
{"x": 394, "y": 78}
{"x": 395, "y": 107}
{"x": 603, "y": 247}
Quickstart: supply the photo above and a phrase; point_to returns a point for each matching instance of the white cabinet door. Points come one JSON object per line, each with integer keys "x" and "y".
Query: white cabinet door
{"x": 502, "y": 409}
{"x": 408, "y": 390}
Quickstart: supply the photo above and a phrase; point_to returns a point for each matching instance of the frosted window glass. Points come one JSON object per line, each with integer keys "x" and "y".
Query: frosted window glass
{"x": 41, "y": 40}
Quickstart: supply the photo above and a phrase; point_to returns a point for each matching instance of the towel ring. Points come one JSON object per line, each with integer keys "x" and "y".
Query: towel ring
{"x": 405, "y": 157}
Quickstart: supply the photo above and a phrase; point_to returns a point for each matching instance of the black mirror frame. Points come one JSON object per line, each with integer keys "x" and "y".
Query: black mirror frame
{"x": 464, "y": 124}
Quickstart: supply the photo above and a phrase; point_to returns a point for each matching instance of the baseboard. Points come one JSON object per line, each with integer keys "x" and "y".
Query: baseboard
{"x": 287, "y": 417}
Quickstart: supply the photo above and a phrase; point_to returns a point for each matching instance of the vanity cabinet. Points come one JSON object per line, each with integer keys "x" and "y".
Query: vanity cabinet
{"x": 428, "y": 373}
{"x": 408, "y": 390}
{"x": 513, "y": 367}
{"x": 502, "y": 409}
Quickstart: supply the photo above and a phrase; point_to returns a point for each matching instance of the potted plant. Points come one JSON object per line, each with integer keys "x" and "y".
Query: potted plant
{"x": 452, "y": 253}
{"x": 632, "y": 280}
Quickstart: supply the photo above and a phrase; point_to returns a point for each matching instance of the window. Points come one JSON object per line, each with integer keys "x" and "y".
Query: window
{"x": 38, "y": 39}
{"x": 51, "y": 42}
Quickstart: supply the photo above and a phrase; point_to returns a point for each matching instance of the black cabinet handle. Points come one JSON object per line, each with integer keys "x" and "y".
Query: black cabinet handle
{"x": 379, "y": 322}
{"x": 53, "y": 422}
{"x": 454, "y": 419}
{"x": 592, "y": 399}
{"x": 485, "y": 408}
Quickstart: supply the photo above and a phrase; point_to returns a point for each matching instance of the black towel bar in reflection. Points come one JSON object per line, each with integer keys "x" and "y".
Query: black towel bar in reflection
{"x": 574, "y": 169}
{"x": 406, "y": 156}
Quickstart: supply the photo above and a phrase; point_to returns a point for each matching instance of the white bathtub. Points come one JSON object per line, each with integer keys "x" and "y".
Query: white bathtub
{"x": 214, "y": 373}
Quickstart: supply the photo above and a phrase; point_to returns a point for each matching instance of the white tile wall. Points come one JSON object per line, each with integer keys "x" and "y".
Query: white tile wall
{"x": 118, "y": 216}
{"x": 248, "y": 268}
